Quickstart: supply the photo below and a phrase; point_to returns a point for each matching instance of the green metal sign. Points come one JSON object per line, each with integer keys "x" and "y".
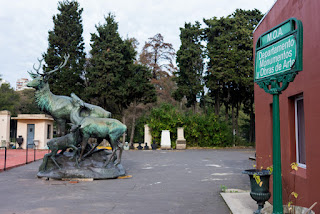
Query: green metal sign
{"x": 276, "y": 33}
{"x": 279, "y": 51}
{"x": 278, "y": 59}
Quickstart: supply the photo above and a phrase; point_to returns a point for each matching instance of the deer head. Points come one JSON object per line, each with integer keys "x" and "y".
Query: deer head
{"x": 39, "y": 79}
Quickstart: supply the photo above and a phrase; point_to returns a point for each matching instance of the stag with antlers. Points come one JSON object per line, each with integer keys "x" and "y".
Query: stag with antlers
{"x": 59, "y": 107}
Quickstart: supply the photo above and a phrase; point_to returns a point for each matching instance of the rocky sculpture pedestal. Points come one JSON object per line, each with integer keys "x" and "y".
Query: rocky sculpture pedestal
{"x": 90, "y": 167}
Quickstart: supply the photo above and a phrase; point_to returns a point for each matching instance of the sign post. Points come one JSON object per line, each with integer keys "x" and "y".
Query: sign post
{"x": 278, "y": 59}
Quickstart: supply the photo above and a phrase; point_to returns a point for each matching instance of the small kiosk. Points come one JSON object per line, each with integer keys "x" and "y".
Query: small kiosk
{"x": 35, "y": 129}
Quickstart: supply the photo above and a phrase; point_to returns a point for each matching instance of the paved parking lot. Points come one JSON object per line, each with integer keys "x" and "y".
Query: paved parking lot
{"x": 183, "y": 182}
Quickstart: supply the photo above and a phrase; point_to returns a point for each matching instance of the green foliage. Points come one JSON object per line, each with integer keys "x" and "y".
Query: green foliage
{"x": 205, "y": 130}
{"x": 139, "y": 129}
{"x": 9, "y": 99}
{"x": 27, "y": 104}
{"x": 66, "y": 38}
{"x": 202, "y": 130}
{"x": 139, "y": 85}
{"x": 229, "y": 77}
{"x": 166, "y": 117}
{"x": 223, "y": 188}
{"x": 190, "y": 62}
{"x": 140, "y": 90}
{"x": 111, "y": 75}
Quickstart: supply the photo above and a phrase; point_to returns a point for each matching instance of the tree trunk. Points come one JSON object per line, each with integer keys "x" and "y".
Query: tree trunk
{"x": 227, "y": 112}
{"x": 104, "y": 103}
{"x": 203, "y": 103}
{"x": 133, "y": 122}
{"x": 233, "y": 123}
{"x": 227, "y": 102}
{"x": 217, "y": 105}
{"x": 237, "y": 118}
{"x": 194, "y": 107}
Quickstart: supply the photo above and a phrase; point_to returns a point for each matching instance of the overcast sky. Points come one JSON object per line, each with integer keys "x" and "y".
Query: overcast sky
{"x": 24, "y": 24}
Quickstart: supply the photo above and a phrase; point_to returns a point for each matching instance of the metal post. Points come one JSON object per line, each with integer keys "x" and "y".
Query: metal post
{"x": 34, "y": 152}
{"x": 27, "y": 154}
{"x": 5, "y": 158}
{"x": 277, "y": 178}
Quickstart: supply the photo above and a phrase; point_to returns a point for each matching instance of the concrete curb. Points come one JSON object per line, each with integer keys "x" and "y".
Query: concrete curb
{"x": 240, "y": 202}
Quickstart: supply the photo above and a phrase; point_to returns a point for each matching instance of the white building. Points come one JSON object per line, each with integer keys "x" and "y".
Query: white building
{"x": 22, "y": 84}
{"x": 5, "y": 127}
{"x": 34, "y": 128}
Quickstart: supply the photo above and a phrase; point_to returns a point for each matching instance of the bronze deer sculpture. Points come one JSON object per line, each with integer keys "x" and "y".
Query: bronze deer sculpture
{"x": 100, "y": 128}
{"x": 70, "y": 140}
{"x": 59, "y": 107}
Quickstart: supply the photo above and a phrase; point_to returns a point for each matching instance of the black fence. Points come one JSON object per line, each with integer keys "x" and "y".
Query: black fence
{"x": 10, "y": 154}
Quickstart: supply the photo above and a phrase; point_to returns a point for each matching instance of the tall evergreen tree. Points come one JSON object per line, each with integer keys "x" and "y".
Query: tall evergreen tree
{"x": 221, "y": 62}
{"x": 230, "y": 69}
{"x": 190, "y": 62}
{"x": 249, "y": 19}
{"x": 66, "y": 38}
{"x": 109, "y": 67}
{"x": 113, "y": 80}
{"x": 141, "y": 91}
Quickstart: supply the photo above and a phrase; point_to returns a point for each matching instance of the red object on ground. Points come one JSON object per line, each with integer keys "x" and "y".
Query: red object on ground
{"x": 17, "y": 157}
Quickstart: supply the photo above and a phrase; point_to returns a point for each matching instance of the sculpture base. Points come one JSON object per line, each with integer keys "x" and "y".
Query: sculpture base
{"x": 165, "y": 147}
{"x": 90, "y": 167}
{"x": 181, "y": 144}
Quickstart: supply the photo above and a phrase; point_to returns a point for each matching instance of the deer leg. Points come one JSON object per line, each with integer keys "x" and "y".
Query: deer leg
{"x": 55, "y": 162}
{"x": 45, "y": 161}
{"x": 83, "y": 147}
{"x": 111, "y": 157}
{"x": 120, "y": 153}
{"x": 94, "y": 147}
{"x": 91, "y": 150}
{"x": 76, "y": 150}
{"x": 52, "y": 156}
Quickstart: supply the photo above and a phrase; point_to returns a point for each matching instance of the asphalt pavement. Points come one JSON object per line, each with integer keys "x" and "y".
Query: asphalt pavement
{"x": 163, "y": 181}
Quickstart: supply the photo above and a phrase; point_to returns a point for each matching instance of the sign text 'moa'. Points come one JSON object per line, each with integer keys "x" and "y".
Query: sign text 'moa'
{"x": 278, "y": 32}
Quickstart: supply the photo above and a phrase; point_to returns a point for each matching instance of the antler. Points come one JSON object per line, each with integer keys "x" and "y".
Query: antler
{"x": 66, "y": 57}
{"x": 37, "y": 70}
{"x": 33, "y": 75}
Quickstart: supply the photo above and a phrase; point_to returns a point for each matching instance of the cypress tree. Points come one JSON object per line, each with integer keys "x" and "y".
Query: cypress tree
{"x": 114, "y": 81}
{"x": 190, "y": 62}
{"x": 66, "y": 38}
{"x": 229, "y": 77}
{"x": 109, "y": 67}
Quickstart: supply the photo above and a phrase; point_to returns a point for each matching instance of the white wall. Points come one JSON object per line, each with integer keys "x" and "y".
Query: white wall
{"x": 4, "y": 126}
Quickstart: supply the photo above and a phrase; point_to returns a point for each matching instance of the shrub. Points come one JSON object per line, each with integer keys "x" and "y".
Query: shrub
{"x": 202, "y": 130}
